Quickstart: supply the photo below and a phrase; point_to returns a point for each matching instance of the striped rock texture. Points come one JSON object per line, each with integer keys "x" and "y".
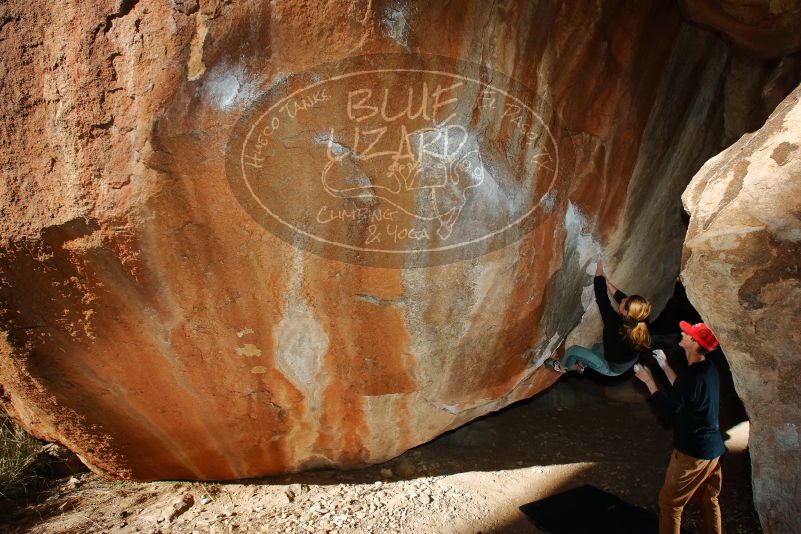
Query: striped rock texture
{"x": 160, "y": 321}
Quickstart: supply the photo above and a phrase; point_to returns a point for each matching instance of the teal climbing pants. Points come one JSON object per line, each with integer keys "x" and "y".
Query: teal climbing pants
{"x": 594, "y": 359}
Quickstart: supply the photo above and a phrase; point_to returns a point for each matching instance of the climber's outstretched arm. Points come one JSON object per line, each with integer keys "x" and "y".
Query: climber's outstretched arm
{"x": 614, "y": 291}
{"x": 611, "y": 287}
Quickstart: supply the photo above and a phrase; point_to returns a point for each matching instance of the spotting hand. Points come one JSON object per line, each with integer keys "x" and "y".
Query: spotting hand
{"x": 660, "y": 357}
{"x": 643, "y": 373}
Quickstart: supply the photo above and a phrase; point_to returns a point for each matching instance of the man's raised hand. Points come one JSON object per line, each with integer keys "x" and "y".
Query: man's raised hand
{"x": 660, "y": 357}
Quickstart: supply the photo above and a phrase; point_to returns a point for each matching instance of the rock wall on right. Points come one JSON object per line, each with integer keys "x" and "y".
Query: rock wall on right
{"x": 742, "y": 270}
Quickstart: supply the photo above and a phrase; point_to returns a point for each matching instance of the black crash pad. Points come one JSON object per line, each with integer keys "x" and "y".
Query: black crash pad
{"x": 589, "y": 510}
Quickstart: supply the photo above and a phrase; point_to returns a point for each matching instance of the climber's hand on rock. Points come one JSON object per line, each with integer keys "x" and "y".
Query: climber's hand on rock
{"x": 660, "y": 358}
{"x": 599, "y": 269}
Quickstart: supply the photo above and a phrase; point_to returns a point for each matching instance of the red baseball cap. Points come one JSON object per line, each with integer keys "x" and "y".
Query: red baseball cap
{"x": 701, "y": 334}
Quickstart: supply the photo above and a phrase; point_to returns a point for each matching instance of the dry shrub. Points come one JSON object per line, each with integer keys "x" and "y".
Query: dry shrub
{"x": 18, "y": 453}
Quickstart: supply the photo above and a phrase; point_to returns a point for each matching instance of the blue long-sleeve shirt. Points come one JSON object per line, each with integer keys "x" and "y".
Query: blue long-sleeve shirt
{"x": 693, "y": 403}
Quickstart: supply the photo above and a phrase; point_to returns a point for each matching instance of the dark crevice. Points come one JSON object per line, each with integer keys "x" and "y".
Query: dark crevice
{"x": 124, "y": 7}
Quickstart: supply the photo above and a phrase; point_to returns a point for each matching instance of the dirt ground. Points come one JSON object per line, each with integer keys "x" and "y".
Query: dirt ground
{"x": 471, "y": 480}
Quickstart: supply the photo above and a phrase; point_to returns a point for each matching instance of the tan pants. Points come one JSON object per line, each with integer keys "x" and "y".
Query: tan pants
{"x": 689, "y": 477}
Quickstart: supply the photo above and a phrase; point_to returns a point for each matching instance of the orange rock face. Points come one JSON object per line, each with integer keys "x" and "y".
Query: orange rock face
{"x": 250, "y": 238}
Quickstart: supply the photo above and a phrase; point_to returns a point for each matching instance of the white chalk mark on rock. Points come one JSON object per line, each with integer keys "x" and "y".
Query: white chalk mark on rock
{"x": 248, "y": 350}
{"x": 395, "y": 24}
{"x": 244, "y": 331}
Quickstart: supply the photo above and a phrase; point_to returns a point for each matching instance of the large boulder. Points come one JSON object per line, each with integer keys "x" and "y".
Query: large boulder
{"x": 190, "y": 281}
{"x": 743, "y": 273}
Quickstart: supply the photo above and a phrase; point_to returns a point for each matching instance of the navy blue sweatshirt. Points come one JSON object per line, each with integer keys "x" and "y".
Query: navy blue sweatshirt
{"x": 693, "y": 402}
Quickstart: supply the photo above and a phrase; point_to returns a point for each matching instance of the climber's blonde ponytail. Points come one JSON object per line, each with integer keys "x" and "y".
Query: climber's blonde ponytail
{"x": 634, "y": 326}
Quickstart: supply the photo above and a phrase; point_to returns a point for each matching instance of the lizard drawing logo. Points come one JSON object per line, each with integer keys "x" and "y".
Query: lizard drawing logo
{"x": 397, "y": 160}
{"x": 428, "y": 177}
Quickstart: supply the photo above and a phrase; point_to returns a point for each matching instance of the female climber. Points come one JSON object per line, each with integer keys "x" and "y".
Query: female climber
{"x": 625, "y": 333}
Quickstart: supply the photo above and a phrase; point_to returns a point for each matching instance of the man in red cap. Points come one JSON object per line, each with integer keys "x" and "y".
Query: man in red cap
{"x": 694, "y": 467}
